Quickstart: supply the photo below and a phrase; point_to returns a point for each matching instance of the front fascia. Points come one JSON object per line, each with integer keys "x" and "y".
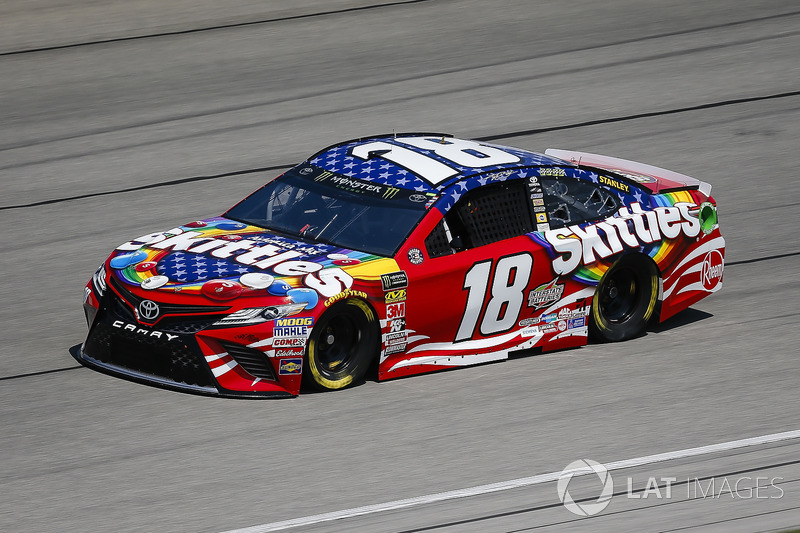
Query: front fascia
{"x": 179, "y": 272}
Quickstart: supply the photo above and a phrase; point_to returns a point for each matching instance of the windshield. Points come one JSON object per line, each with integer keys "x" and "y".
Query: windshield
{"x": 313, "y": 204}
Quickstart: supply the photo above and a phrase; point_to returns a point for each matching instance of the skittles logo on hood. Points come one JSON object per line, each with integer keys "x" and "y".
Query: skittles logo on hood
{"x": 221, "y": 259}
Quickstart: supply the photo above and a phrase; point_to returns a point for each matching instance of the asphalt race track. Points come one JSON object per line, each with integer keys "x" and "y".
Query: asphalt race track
{"x": 119, "y": 118}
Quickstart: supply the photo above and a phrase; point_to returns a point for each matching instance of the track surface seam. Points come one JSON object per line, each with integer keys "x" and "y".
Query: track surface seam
{"x": 232, "y": 25}
{"x": 443, "y": 72}
{"x": 518, "y": 133}
{"x": 365, "y": 8}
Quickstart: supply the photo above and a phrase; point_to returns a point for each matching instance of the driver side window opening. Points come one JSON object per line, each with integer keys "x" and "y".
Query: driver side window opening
{"x": 489, "y": 214}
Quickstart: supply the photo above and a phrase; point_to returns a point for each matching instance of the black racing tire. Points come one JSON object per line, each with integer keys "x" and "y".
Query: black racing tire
{"x": 625, "y": 299}
{"x": 342, "y": 345}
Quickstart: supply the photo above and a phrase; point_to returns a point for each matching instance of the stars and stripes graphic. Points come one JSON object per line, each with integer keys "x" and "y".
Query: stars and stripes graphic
{"x": 187, "y": 267}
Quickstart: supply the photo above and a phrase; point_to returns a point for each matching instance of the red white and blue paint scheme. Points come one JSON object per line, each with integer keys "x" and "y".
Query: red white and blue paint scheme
{"x": 398, "y": 255}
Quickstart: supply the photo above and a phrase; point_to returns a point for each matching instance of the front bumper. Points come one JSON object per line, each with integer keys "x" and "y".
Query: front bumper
{"x": 178, "y": 356}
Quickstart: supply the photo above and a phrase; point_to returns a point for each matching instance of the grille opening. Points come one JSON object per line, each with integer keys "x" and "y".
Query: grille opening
{"x": 255, "y": 362}
{"x": 173, "y": 360}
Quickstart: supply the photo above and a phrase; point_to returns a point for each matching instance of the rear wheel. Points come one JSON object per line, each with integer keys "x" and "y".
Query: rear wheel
{"x": 625, "y": 299}
{"x": 342, "y": 345}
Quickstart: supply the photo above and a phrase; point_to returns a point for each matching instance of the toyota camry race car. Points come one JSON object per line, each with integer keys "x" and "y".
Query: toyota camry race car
{"x": 412, "y": 253}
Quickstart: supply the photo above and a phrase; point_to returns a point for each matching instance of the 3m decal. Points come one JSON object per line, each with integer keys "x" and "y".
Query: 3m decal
{"x": 397, "y": 310}
{"x": 611, "y": 236}
{"x": 506, "y": 296}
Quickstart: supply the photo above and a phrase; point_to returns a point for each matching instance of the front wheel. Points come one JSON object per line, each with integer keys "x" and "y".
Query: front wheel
{"x": 342, "y": 344}
{"x": 625, "y": 299}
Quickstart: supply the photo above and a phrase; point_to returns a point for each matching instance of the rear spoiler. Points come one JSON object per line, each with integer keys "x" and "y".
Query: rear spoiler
{"x": 654, "y": 178}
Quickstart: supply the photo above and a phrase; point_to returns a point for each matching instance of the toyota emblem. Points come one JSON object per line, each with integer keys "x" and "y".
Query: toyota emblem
{"x": 148, "y": 309}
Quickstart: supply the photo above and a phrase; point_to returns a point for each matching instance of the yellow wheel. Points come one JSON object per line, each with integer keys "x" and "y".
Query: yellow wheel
{"x": 625, "y": 299}
{"x": 342, "y": 345}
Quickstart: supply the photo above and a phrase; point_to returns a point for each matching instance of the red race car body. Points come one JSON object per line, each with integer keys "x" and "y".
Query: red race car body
{"x": 413, "y": 253}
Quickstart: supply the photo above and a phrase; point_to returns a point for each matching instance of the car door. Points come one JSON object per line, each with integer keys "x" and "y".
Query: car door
{"x": 470, "y": 274}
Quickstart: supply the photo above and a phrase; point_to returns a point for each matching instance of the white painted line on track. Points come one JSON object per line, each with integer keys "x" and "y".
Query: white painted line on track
{"x": 512, "y": 484}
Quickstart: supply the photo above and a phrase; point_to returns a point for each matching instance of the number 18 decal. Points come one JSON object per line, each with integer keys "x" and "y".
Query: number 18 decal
{"x": 506, "y": 296}
{"x": 458, "y": 151}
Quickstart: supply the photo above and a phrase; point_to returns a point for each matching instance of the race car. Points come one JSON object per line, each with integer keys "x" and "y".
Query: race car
{"x": 405, "y": 254}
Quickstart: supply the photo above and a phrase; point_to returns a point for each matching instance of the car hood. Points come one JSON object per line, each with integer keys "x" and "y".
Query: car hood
{"x": 220, "y": 259}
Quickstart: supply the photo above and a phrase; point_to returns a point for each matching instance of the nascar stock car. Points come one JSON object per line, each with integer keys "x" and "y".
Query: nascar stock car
{"x": 409, "y": 253}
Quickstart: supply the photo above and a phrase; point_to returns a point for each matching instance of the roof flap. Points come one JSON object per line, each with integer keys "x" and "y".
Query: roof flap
{"x": 661, "y": 178}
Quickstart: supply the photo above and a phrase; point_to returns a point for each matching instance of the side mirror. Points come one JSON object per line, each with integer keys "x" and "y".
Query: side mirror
{"x": 457, "y": 244}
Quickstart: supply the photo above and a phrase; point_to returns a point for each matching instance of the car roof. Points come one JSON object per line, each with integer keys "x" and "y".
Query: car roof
{"x": 340, "y": 159}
